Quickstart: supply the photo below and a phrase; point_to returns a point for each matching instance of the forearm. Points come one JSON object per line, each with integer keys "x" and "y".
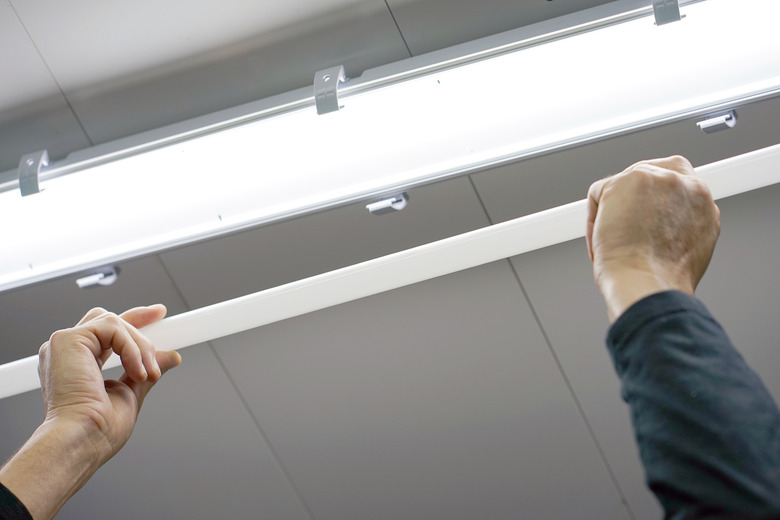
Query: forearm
{"x": 53, "y": 464}
{"x": 708, "y": 431}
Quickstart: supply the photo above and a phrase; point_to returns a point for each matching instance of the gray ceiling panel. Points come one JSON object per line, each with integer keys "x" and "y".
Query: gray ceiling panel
{"x": 438, "y": 400}
{"x": 559, "y": 283}
{"x": 29, "y": 315}
{"x": 194, "y": 439}
{"x": 47, "y": 124}
{"x": 434, "y": 24}
{"x": 559, "y": 280}
{"x": 195, "y": 453}
{"x": 742, "y": 286}
{"x": 235, "y": 265}
{"x": 554, "y": 179}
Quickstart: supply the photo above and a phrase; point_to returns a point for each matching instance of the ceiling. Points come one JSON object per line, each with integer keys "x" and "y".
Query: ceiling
{"x": 483, "y": 394}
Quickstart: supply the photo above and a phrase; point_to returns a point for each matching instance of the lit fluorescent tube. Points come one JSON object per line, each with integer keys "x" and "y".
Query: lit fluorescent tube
{"x": 447, "y": 121}
{"x": 725, "y": 178}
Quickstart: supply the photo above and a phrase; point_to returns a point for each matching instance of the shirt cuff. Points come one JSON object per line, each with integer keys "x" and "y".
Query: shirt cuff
{"x": 648, "y": 309}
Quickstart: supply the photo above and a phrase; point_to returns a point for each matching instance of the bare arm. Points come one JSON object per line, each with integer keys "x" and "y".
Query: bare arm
{"x": 88, "y": 419}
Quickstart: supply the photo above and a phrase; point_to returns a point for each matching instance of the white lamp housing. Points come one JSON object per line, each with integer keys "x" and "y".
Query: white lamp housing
{"x": 725, "y": 178}
{"x": 540, "y": 96}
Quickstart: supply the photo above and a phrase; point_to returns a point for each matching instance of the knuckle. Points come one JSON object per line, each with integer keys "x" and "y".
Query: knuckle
{"x": 113, "y": 320}
{"x": 636, "y": 174}
{"x": 57, "y": 337}
{"x": 96, "y": 311}
{"x": 680, "y": 162}
{"x": 701, "y": 190}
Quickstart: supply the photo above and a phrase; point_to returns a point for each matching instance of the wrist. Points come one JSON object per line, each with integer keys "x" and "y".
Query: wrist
{"x": 623, "y": 287}
{"x": 57, "y": 460}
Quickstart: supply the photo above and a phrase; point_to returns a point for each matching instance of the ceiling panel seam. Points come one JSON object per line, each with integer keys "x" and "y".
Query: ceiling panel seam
{"x": 51, "y": 74}
{"x": 400, "y": 32}
{"x": 578, "y": 404}
{"x": 277, "y": 459}
{"x": 274, "y": 455}
{"x": 567, "y": 382}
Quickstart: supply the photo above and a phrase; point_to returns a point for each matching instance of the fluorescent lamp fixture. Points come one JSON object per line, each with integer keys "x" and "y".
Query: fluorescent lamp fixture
{"x": 623, "y": 76}
{"x": 725, "y": 178}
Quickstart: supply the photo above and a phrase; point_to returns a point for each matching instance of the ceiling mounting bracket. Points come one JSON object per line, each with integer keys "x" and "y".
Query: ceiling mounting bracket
{"x": 666, "y": 11}
{"x": 29, "y": 171}
{"x": 389, "y": 205}
{"x": 104, "y": 276}
{"x": 718, "y": 122}
{"x": 326, "y": 89}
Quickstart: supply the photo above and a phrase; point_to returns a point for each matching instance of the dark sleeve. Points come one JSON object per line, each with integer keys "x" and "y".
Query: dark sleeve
{"x": 10, "y": 506}
{"x": 708, "y": 430}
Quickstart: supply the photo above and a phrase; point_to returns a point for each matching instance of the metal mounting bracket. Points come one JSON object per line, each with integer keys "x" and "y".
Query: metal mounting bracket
{"x": 29, "y": 171}
{"x": 666, "y": 11}
{"x": 102, "y": 276}
{"x": 389, "y": 205}
{"x": 326, "y": 89}
{"x": 718, "y": 122}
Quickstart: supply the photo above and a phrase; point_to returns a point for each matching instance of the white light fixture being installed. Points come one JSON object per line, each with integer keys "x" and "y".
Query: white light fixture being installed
{"x": 732, "y": 176}
{"x": 535, "y": 95}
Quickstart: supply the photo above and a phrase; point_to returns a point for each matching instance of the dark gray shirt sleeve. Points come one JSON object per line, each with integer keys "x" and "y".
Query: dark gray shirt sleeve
{"x": 10, "y": 506}
{"x": 708, "y": 430}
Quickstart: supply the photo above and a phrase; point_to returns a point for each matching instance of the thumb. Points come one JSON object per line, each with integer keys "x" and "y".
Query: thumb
{"x": 166, "y": 360}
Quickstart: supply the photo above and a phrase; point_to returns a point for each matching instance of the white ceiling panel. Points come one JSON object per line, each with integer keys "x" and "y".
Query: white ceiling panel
{"x": 438, "y": 400}
{"x": 89, "y": 42}
{"x": 33, "y": 113}
{"x": 287, "y": 251}
{"x": 25, "y": 77}
{"x": 207, "y": 57}
{"x": 435, "y": 24}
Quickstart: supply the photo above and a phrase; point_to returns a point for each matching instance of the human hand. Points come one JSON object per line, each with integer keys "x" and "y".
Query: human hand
{"x": 651, "y": 228}
{"x": 72, "y": 382}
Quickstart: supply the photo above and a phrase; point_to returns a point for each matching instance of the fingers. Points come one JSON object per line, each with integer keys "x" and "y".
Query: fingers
{"x": 91, "y": 315}
{"x": 594, "y": 197}
{"x": 120, "y": 334}
{"x": 166, "y": 361}
{"x": 115, "y": 334}
{"x": 675, "y": 163}
{"x": 140, "y": 317}
{"x": 663, "y": 166}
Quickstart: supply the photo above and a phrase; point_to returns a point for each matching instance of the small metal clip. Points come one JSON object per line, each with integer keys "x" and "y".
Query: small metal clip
{"x": 389, "y": 205}
{"x": 718, "y": 122}
{"x": 666, "y": 11}
{"x": 102, "y": 276}
{"x": 30, "y": 169}
{"x": 326, "y": 89}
